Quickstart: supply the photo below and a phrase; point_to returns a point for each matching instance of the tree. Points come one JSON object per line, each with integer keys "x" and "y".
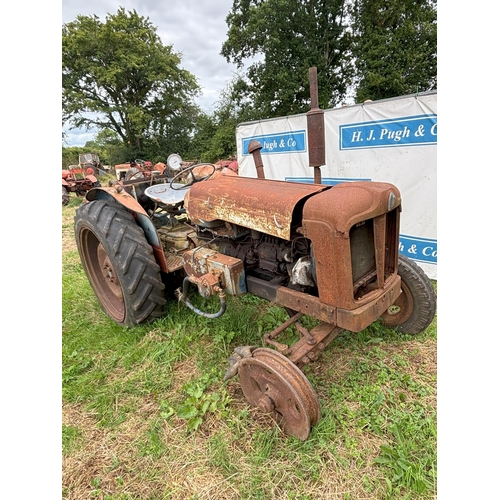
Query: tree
{"x": 107, "y": 145}
{"x": 70, "y": 156}
{"x": 118, "y": 75}
{"x": 215, "y": 136}
{"x": 395, "y": 45}
{"x": 292, "y": 36}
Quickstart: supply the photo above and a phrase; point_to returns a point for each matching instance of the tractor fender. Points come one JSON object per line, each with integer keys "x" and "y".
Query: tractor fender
{"x": 65, "y": 183}
{"x": 91, "y": 178}
{"x": 141, "y": 217}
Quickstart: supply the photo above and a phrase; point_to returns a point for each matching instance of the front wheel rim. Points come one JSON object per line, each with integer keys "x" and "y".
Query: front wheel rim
{"x": 401, "y": 310}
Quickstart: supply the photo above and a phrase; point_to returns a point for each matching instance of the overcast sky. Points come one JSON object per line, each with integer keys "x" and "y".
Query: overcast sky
{"x": 196, "y": 29}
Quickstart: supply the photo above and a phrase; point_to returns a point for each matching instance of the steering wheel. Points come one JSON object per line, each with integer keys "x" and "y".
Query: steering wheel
{"x": 194, "y": 179}
{"x": 133, "y": 172}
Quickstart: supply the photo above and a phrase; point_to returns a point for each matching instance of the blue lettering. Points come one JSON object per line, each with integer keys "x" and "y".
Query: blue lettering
{"x": 419, "y": 129}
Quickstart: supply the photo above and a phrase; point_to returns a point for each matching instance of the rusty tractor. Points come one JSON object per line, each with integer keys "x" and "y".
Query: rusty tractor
{"x": 319, "y": 251}
{"x": 90, "y": 163}
{"x": 138, "y": 169}
{"x": 77, "y": 180}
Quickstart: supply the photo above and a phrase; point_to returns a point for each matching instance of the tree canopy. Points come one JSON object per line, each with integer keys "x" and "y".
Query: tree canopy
{"x": 368, "y": 48}
{"x": 118, "y": 75}
{"x": 287, "y": 37}
{"x": 395, "y": 47}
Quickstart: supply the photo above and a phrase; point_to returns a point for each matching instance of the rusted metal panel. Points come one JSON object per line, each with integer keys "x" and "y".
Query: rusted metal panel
{"x": 328, "y": 219}
{"x": 121, "y": 196}
{"x": 355, "y": 320}
{"x": 201, "y": 261}
{"x": 262, "y": 205}
{"x": 351, "y": 202}
{"x": 375, "y": 303}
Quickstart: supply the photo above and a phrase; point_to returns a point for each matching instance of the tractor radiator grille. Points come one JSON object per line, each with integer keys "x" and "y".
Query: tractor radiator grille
{"x": 374, "y": 248}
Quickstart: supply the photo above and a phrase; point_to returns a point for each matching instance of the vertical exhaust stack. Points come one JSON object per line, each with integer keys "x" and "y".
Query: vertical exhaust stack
{"x": 254, "y": 147}
{"x": 315, "y": 128}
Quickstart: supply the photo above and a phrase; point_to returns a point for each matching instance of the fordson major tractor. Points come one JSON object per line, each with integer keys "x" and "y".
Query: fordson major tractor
{"x": 319, "y": 251}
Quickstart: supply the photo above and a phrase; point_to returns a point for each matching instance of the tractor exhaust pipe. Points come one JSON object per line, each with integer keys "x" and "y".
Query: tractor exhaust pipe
{"x": 254, "y": 147}
{"x": 315, "y": 128}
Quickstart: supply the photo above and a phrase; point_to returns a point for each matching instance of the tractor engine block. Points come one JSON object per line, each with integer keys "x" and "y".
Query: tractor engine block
{"x": 265, "y": 256}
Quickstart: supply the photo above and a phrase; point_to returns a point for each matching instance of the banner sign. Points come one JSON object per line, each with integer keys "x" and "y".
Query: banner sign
{"x": 419, "y": 249}
{"x": 287, "y": 142}
{"x": 389, "y": 133}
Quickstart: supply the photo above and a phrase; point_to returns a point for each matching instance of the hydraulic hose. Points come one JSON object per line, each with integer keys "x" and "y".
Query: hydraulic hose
{"x": 183, "y": 297}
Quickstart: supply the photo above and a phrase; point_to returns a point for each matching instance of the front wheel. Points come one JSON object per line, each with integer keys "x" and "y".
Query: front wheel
{"x": 415, "y": 307}
{"x": 119, "y": 263}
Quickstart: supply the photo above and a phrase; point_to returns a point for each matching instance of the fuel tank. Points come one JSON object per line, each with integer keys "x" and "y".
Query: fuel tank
{"x": 259, "y": 204}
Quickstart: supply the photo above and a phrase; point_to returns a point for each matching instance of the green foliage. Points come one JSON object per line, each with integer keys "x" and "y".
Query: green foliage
{"x": 395, "y": 45}
{"x": 199, "y": 402}
{"x": 71, "y": 439}
{"x": 291, "y": 36}
{"x": 70, "y": 156}
{"x": 215, "y": 135}
{"x": 117, "y": 75}
{"x": 105, "y": 143}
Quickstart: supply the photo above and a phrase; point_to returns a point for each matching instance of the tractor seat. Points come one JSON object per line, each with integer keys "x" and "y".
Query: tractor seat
{"x": 162, "y": 193}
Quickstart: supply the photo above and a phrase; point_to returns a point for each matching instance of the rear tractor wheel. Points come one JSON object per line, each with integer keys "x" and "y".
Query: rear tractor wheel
{"x": 119, "y": 263}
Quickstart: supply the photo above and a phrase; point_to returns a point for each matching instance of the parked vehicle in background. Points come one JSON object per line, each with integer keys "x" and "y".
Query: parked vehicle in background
{"x": 90, "y": 163}
{"x": 77, "y": 180}
{"x": 124, "y": 171}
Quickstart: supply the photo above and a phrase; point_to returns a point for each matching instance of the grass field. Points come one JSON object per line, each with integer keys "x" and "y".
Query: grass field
{"x": 146, "y": 414}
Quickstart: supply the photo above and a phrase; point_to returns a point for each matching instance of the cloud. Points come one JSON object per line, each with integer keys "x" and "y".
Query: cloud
{"x": 194, "y": 28}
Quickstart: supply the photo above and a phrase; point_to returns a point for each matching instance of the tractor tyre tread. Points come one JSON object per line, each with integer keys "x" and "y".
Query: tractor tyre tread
{"x": 131, "y": 255}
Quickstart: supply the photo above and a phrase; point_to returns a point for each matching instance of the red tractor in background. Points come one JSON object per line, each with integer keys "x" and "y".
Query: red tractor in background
{"x": 80, "y": 178}
{"x": 137, "y": 169}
